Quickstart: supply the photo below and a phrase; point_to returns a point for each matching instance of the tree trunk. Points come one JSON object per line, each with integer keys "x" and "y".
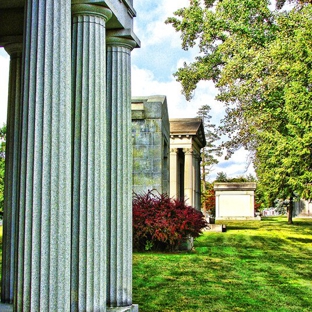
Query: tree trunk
{"x": 290, "y": 210}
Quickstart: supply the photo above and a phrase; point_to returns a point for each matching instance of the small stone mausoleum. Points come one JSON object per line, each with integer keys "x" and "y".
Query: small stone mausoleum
{"x": 187, "y": 137}
{"x": 235, "y": 200}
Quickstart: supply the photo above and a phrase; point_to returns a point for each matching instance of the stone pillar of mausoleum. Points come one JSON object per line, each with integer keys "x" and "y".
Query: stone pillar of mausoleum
{"x": 173, "y": 172}
{"x": 11, "y": 182}
{"x": 197, "y": 181}
{"x": 89, "y": 157}
{"x": 44, "y": 207}
{"x": 119, "y": 173}
{"x": 188, "y": 176}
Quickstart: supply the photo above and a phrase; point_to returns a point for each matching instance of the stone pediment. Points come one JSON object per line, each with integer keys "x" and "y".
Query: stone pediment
{"x": 188, "y": 127}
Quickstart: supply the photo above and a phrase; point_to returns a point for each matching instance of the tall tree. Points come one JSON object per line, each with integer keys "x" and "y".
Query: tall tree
{"x": 260, "y": 60}
{"x": 284, "y": 154}
{"x": 210, "y": 151}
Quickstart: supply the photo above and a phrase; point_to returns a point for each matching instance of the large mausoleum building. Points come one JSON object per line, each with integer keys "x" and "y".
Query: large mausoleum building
{"x": 166, "y": 153}
{"x": 150, "y": 135}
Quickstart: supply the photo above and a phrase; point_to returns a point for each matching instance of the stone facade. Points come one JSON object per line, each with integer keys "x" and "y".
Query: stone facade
{"x": 235, "y": 200}
{"x": 187, "y": 137}
{"x": 68, "y": 186}
{"x": 150, "y": 134}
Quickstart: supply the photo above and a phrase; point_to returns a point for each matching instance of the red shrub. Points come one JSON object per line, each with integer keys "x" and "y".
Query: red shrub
{"x": 160, "y": 222}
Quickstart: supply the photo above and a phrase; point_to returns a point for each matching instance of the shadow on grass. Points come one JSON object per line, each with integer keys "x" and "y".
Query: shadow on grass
{"x": 239, "y": 270}
{"x": 300, "y": 240}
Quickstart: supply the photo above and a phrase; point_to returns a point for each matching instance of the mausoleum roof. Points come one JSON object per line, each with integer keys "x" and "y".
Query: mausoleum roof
{"x": 188, "y": 127}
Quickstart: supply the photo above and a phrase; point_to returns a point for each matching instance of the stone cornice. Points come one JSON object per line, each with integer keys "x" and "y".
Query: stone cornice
{"x": 125, "y": 34}
{"x": 235, "y": 186}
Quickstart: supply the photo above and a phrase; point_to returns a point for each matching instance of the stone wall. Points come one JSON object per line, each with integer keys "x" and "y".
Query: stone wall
{"x": 150, "y": 135}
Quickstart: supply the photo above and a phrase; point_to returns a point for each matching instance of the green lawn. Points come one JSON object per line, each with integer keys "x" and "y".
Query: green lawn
{"x": 254, "y": 266}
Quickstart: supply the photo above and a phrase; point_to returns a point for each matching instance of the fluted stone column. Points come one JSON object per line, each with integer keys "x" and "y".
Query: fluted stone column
{"x": 197, "y": 190}
{"x": 188, "y": 176}
{"x": 119, "y": 234}
{"x": 89, "y": 159}
{"x": 173, "y": 172}
{"x": 44, "y": 227}
{"x": 11, "y": 182}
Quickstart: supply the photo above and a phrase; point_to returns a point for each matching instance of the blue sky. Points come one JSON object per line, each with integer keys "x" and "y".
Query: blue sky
{"x": 153, "y": 66}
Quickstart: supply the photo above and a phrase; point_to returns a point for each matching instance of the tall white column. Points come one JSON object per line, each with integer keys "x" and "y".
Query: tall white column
{"x": 11, "y": 182}
{"x": 89, "y": 157}
{"x": 173, "y": 172}
{"x": 188, "y": 176}
{"x": 119, "y": 174}
{"x": 44, "y": 225}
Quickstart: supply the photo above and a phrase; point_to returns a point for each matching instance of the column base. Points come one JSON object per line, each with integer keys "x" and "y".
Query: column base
{"x": 4, "y": 307}
{"x": 132, "y": 308}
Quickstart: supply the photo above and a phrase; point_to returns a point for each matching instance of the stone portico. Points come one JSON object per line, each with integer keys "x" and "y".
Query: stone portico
{"x": 187, "y": 137}
{"x": 67, "y": 228}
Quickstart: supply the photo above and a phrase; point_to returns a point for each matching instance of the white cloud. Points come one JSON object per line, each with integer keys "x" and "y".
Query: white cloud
{"x": 236, "y": 166}
{"x": 150, "y": 25}
{"x": 144, "y": 83}
{"x": 4, "y": 75}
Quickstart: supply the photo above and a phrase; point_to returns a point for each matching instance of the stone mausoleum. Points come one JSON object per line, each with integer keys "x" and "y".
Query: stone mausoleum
{"x": 150, "y": 134}
{"x": 67, "y": 224}
{"x": 235, "y": 200}
{"x": 166, "y": 153}
{"x": 187, "y": 138}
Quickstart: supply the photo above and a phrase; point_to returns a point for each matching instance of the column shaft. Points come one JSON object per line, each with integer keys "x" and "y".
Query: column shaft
{"x": 89, "y": 158}
{"x": 44, "y": 233}
{"x": 197, "y": 182}
{"x": 173, "y": 172}
{"x": 11, "y": 182}
{"x": 188, "y": 177}
{"x": 119, "y": 234}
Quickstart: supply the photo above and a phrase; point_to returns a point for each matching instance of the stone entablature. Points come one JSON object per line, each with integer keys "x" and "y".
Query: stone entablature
{"x": 150, "y": 135}
{"x": 235, "y": 200}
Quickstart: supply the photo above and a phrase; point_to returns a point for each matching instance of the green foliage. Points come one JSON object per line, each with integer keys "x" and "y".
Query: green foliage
{"x": 222, "y": 177}
{"x": 261, "y": 62}
{"x": 281, "y": 205}
{"x": 211, "y": 150}
{"x": 209, "y": 200}
{"x": 2, "y": 166}
{"x": 209, "y": 153}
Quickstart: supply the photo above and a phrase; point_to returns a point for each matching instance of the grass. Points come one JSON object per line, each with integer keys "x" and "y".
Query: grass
{"x": 254, "y": 266}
